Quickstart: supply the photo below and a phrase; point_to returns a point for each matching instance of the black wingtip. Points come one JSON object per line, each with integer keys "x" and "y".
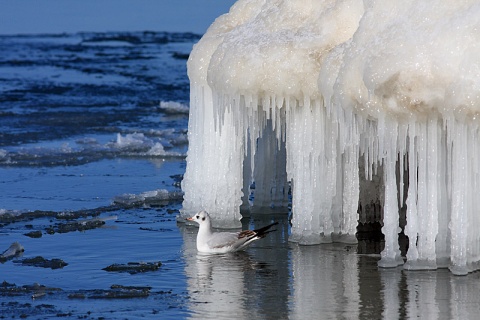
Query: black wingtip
{"x": 261, "y": 232}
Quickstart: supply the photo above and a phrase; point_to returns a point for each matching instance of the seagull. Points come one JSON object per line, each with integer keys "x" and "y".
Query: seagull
{"x": 223, "y": 242}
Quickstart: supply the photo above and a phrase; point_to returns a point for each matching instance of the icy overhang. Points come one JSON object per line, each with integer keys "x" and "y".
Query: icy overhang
{"x": 388, "y": 82}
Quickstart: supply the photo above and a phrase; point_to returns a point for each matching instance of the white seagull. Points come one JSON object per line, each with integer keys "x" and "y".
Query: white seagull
{"x": 223, "y": 242}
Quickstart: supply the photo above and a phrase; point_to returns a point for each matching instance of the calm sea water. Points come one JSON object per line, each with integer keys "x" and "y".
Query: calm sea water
{"x": 93, "y": 128}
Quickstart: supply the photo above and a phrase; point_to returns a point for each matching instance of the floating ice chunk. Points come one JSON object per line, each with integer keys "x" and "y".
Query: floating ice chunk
{"x": 148, "y": 197}
{"x": 132, "y": 140}
{"x": 12, "y": 251}
{"x": 150, "y": 143}
{"x": 141, "y": 145}
{"x": 5, "y": 156}
{"x": 173, "y": 107}
{"x": 9, "y": 214}
{"x": 180, "y": 139}
{"x": 66, "y": 148}
{"x": 157, "y": 150}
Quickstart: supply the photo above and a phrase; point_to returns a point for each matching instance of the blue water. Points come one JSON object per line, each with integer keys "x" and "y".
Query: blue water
{"x": 82, "y": 116}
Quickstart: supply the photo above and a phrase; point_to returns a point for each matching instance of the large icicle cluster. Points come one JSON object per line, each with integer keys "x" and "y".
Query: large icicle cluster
{"x": 340, "y": 86}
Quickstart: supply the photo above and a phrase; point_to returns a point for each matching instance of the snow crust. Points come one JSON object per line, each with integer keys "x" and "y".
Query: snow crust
{"x": 391, "y": 87}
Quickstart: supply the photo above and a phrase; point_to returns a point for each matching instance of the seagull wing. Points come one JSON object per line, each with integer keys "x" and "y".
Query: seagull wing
{"x": 223, "y": 239}
{"x": 237, "y": 240}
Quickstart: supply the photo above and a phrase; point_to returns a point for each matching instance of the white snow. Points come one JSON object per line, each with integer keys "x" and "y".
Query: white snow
{"x": 342, "y": 85}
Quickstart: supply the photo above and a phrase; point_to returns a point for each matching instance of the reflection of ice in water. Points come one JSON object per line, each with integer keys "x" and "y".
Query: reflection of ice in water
{"x": 325, "y": 282}
{"x": 427, "y": 295}
{"x": 423, "y": 288}
{"x": 274, "y": 279}
{"x": 389, "y": 293}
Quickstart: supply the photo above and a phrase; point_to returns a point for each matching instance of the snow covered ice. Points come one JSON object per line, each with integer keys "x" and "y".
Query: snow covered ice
{"x": 347, "y": 91}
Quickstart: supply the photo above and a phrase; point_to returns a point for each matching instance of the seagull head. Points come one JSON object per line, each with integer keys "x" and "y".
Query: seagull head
{"x": 201, "y": 217}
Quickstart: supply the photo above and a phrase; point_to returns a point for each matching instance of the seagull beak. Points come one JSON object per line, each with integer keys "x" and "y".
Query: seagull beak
{"x": 189, "y": 219}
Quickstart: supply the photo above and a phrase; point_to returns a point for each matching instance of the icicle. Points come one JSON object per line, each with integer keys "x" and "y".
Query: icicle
{"x": 224, "y": 148}
{"x": 459, "y": 220}
{"x": 442, "y": 248}
{"x": 423, "y": 255}
{"x": 313, "y": 173}
{"x": 351, "y": 191}
{"x": 391, "y": 254}
{"x": 247, "y": 177}
{"x": 351, "y": 187}
{"x": 427, "y": 242}
{"x": 411, "y": 229}
{"x": 402, "y": 142}
{"x": 422, "y": 192}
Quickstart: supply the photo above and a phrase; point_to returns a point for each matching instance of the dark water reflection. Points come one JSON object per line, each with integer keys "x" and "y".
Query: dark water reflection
{"x": 275, "y": 279}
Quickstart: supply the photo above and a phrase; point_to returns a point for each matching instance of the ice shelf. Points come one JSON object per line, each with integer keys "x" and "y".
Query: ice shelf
{"x": 333, "y": 94}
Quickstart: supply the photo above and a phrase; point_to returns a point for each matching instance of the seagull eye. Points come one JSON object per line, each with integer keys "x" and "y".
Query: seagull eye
{"x": 198, "y": 217}
{"x": 203, "y": 219}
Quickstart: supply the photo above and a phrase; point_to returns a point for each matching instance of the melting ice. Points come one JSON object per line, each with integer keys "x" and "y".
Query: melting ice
{"x": 340, "y": 93}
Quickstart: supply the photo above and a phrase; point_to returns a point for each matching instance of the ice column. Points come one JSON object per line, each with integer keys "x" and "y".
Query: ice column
{"x": 351, "y": 183}
{"x": 411, "y": 229}
{"x": 312, "y": 168}
{"x": 388, "y": 142}
{"x": 427, "y": 231}
{"x": 213, "y": 139}
{"x": 460, "y": 198}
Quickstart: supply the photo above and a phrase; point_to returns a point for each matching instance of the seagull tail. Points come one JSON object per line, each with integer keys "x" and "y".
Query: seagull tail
{"x": 262, "y": 232}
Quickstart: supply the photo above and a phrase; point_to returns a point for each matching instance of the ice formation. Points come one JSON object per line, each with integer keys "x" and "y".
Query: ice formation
{"x": 345, "y": 89}
{"x": 173, "y": 107}
{"x": 148, "y": 197}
